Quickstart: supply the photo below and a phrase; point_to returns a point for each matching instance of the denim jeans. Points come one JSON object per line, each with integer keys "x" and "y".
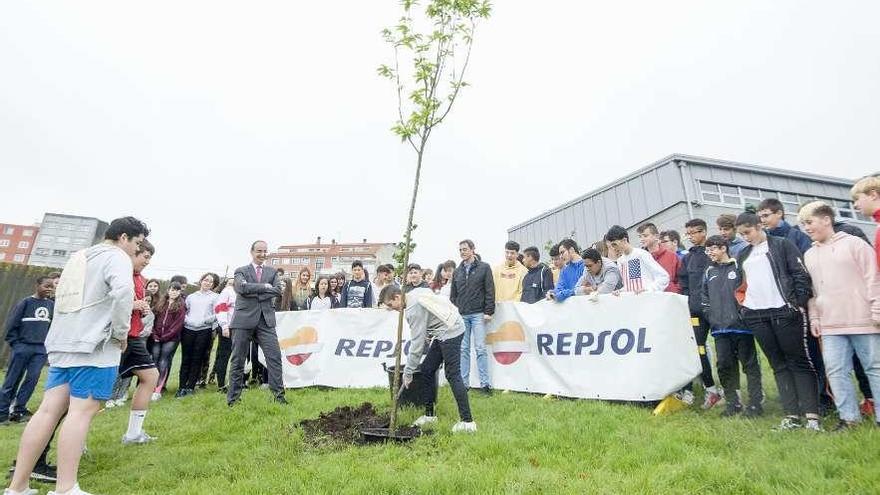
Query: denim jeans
{"x": 838, "y": 351}
{"x": 474, "y": 325}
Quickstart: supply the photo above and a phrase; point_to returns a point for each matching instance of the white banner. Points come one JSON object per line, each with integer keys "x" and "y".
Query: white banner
{"x": 632, "y": 347}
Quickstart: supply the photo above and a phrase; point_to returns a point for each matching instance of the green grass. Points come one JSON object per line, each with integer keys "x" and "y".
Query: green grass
{"x": 525, "y": 444}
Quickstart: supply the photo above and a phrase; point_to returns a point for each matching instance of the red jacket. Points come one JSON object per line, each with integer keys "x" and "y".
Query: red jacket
{"x": 137, "y": 323}
{"x": 670, "y": 262}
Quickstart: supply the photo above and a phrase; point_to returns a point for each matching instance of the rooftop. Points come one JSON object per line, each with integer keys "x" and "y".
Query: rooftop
{"x": 676, "y": 157}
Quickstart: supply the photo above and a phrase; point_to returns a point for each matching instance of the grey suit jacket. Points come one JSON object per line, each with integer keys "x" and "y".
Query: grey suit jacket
{"x": 254, "y": 297}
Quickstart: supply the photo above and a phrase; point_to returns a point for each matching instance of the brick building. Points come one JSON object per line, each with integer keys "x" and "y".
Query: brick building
{"x": 17, "y": 242}
{"x": 322, "y": 258}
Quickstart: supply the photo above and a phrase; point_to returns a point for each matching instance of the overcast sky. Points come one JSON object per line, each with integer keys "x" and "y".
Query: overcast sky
{"x": 221, "y": 122}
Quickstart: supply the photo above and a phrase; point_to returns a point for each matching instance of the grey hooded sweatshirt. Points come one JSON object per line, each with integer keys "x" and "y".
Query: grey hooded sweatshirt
{"x": 90, "y": 336}
{"x": 431, "y": 316}
{"x": 606, "y": 282}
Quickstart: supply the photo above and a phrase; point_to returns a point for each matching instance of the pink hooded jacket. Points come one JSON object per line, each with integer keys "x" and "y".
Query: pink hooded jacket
{"x": 846, "y": 286}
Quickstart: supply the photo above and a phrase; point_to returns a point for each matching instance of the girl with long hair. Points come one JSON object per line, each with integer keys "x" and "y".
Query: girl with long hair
{"x": 323, "y": 298}
{"x": 167, "y": 327}
{"x": 443, "y": 278}
{"x": 301, "y": 290}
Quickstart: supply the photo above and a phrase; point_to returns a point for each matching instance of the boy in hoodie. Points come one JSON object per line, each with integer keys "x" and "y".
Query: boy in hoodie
{"x": 434, "y": 324}
{"x": 734, "y": 343}
{"x": 539, "y": 278}
{"x": 89, "y": 331}
{"x": 358, "y": 292}
{"x": 571, "y": 272}
{"x": 845, "y": 307}
{"x": 26, "y": 329}
{"x": 508, "y": 276}
{"x": 866, "y": 198}
{"x": 601, "y": 275}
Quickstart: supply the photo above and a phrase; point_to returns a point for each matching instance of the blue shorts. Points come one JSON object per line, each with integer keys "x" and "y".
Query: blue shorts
{"x": 86, "y": 382}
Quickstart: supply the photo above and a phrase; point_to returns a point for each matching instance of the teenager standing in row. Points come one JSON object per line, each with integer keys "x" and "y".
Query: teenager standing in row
{"x": 199, "y": 321}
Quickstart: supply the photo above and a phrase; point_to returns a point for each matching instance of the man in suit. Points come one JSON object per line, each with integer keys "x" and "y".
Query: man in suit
{"x": 254, "y": 319}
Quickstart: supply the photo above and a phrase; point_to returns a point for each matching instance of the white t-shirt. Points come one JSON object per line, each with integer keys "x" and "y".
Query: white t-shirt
{"x": 761, "y": 291}
{"x": 322, "y": 302}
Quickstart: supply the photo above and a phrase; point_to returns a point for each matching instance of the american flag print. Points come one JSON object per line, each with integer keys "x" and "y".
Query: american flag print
{"x": 633, "y": 282}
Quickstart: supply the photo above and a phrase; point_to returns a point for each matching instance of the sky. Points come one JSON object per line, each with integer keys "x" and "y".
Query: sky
{"x": 222, "y": 122}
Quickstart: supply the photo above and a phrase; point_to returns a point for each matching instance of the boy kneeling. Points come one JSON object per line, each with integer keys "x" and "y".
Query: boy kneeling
{"x": 436, "y": 324}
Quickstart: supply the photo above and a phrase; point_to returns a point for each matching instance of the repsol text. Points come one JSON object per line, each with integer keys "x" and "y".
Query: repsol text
{"x": 622, "y": 341}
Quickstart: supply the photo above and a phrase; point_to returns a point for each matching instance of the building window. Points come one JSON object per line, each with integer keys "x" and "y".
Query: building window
{"x": 275, "y": 261}
{"x": 41, "y": 252}
{"x": 4, "y": 242}
{"x": 18, "y": 258}
{"x": 28, "y": 233}
{"x": 59, "y": 252}
{"x": 9, "y": 230}
{"x": 319, "y": 264}
{"x": 23, "y": 244}
{"x": 2, "y": 256}
{"x": 305, "y": 261}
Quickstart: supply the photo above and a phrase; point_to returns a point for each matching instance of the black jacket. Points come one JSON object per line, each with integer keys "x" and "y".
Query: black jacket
{"x": 473, "y": 292}
{"x": 536, "y": 283}
{"x": 718, "y": 296}
{"x": 791, "y": 275}
{"x": 690, "y": 276}
{"x": 851, "y": 230}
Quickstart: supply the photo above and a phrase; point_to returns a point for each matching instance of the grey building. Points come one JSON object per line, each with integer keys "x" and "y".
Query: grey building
{"x": 62, "y": 235}
{"x": 679, "y": 187}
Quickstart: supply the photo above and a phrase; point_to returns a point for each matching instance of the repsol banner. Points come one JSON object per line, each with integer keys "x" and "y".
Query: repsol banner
{"x": 631, "y": 347}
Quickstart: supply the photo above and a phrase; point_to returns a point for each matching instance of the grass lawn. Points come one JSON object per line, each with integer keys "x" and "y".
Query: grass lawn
{"x": 525, "y": 444}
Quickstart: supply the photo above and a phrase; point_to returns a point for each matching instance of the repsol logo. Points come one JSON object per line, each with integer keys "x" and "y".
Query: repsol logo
{"x": 367, "y": 348}
{"x": 623, "y": 341}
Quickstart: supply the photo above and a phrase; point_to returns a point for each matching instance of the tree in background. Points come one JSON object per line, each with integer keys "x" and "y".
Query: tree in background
{"x": 432, "y": 49}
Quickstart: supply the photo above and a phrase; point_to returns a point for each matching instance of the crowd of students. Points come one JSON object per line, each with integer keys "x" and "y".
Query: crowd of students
{"x": 809, "y": 296}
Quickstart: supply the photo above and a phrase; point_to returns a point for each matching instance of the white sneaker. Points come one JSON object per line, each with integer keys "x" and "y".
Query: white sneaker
{"x": 73, "y": 491}
{"x": 423, "y": 420}
{"x": 110, "y": 404}
{"x": 138, "y": 440}
{"x": 463, "y": 427}
{"x": 156, "y": 396}
{"x": 28, "y": 491}
{"x": 264, "y": 386}
{"x": 687, "y": 397}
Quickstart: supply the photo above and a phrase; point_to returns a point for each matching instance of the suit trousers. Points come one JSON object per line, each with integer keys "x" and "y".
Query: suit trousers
{"x": 267, "y": 339}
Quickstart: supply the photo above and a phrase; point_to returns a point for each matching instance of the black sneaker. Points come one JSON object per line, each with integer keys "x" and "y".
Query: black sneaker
{"x": 842, "y": 426}
{"x": 22, "y": 417}
{"x": 281, "y": 400}
{"x": 754, "y": 411}
{"x": 487, "y": 391}
{"x": 223, "y": 389}
{"x": 46, "y": 473}
{"x": 732, "y": 409}
{"x": 201, "y": 384}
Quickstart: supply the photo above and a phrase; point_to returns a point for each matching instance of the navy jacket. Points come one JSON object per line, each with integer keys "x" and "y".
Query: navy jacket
{"x": 29, "y": 320}
{"x": 690, "y": 276}
{"x": 718, "y": 295}
{"x": 536, "y": 283}
{"x": 795, "y": 235}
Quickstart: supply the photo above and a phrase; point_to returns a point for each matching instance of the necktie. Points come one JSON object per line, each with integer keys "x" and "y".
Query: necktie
{"x": 259, "y": 273}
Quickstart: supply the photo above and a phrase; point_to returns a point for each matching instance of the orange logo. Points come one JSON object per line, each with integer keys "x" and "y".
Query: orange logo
{"x": 298, "y": 348}
{"x": 508, "y": 342}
